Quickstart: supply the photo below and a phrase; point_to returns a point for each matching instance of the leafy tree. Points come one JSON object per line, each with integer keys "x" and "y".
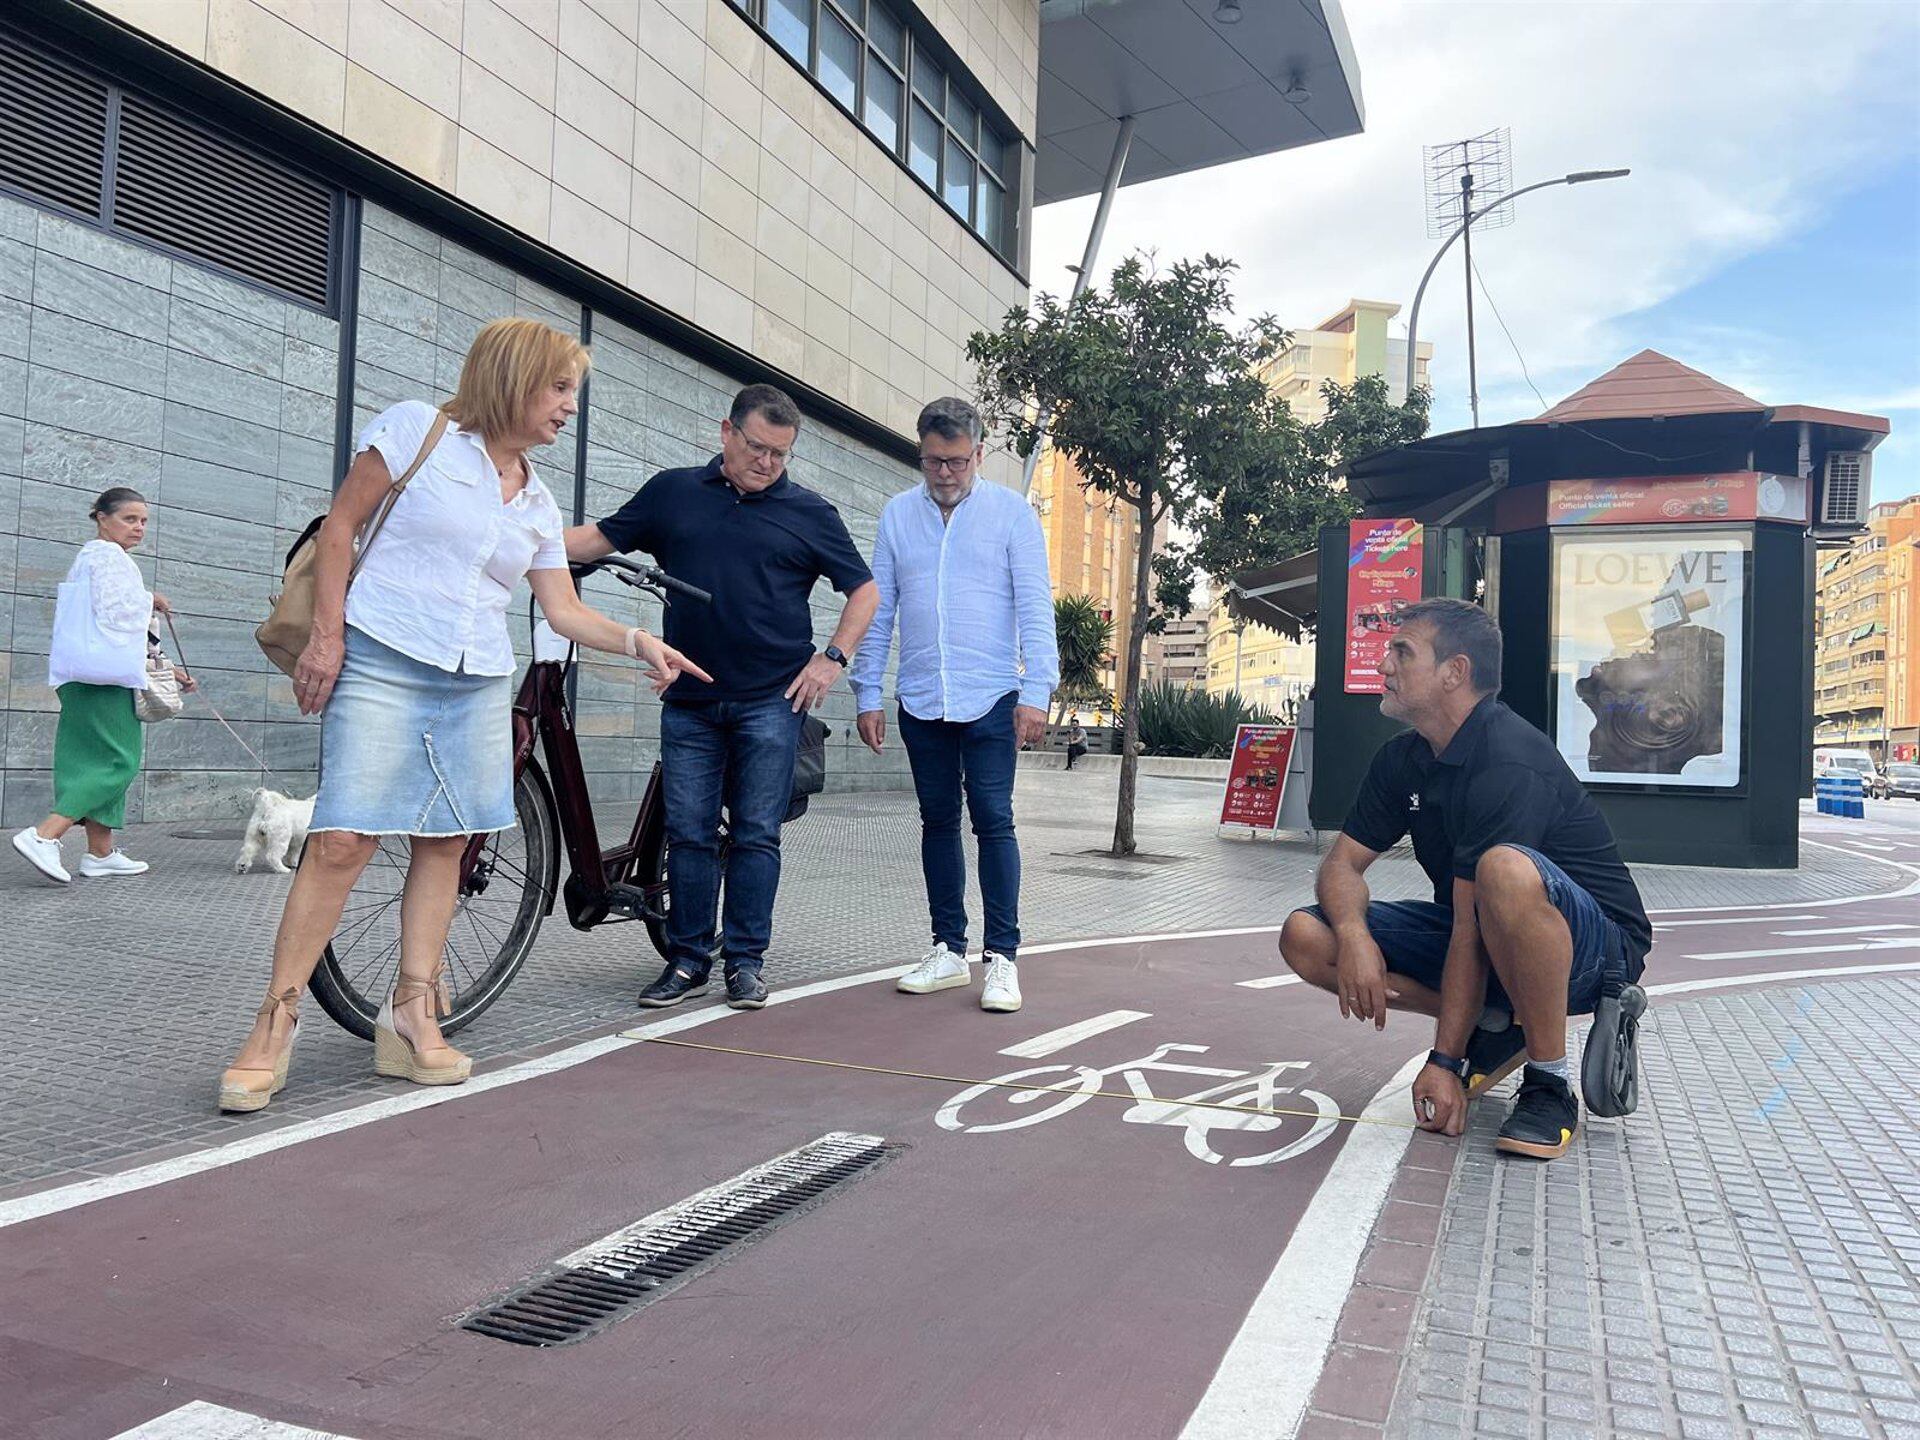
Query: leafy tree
{"x": 1260, "y": 518}
{"x": 1085, "y": 638}
{"x": 1153, "y": 396}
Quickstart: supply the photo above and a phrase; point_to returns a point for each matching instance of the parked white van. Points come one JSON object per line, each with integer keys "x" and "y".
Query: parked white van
{"x": 1830, "y": 760}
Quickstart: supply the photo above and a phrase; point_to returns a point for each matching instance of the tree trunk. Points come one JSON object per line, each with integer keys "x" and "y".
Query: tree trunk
{"x": 1123, "y": 843}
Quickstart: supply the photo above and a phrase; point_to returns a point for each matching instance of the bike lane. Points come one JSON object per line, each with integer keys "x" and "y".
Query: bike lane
{"x": 1054, "y": 1266}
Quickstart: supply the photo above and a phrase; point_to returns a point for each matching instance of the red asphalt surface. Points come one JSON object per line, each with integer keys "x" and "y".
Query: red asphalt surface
{"x": 1081, "y": 1275}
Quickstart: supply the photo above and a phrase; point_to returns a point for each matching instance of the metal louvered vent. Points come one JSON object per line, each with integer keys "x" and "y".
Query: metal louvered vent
{"x": 210, "y": 198}
{"x": 585, "y": 1292}
{"x": 53, "y": 130}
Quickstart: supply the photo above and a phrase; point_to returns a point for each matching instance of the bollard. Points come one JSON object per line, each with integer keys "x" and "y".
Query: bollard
{"x": 1857, "y": 798}
{"x": 1823, "y": 794}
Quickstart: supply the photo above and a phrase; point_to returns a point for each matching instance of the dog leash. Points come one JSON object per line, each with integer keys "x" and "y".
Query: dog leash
{"x": 181, "y": 651}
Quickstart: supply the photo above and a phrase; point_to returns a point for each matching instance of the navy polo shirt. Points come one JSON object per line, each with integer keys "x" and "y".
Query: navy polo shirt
{"x": 1499, "y": 782}
{"x": 757, "y": 555}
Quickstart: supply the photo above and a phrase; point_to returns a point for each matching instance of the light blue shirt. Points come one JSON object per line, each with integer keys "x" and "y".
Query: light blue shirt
{"x": 973, "y": 601}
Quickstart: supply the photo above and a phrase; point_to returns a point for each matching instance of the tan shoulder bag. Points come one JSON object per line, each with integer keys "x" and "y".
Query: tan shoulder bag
{"x": 289, "y": 624}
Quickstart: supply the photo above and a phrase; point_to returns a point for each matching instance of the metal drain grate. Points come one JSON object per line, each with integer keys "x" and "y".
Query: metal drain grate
{"x": 589, "y": 1290}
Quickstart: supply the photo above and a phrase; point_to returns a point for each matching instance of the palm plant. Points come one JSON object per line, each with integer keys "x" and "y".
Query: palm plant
{"x": 1085, "y": 640}
{"x": 1176, "y": 721}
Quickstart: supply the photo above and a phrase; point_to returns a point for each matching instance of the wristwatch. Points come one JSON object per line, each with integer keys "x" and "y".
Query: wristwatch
{"x": 1448, "y": 1062}
{"x": 836, "y": 655}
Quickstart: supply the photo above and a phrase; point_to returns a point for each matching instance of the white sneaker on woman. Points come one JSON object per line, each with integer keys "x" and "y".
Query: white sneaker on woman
{"x": 43, "y": 854}
{"x": 939, "y": 969}
{"x": 1002, "y": 990}
{"x": 111, "y": 863}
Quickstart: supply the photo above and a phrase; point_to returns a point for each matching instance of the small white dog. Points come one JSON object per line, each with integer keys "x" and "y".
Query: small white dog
{"x": 276, "y": 832}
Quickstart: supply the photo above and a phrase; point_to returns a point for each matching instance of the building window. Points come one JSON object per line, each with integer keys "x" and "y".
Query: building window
{"x": 874, "y": 67}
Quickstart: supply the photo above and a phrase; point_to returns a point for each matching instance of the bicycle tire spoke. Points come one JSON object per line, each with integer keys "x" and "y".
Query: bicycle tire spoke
{"x": 357, "y": 931}
{"x": 392, "y": 947}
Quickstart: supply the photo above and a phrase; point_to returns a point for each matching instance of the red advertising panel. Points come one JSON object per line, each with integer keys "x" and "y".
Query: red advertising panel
{"x": 1384, "y": 558}
{"x": 1258, "y": 776}
{"x": 1655, "y": 500}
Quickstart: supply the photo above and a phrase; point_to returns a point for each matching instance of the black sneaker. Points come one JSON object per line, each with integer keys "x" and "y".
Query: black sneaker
{"x": 673, "y": 986}
{"x": 1492, "y": 1055}
{"x": 746, "y": 990}
{"x": 1543, "y": 1119}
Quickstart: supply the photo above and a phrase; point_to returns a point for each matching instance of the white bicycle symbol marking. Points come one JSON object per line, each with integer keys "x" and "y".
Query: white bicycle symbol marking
{"x": 1238, "y": 1087}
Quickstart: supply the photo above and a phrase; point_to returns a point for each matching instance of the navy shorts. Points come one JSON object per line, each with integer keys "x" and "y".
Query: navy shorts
{"x": 1413, "y": 936}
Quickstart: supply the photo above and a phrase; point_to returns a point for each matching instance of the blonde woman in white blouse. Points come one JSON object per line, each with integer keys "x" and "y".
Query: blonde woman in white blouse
{"x": 98, "y": 662}
{"x": 411, "y": 669}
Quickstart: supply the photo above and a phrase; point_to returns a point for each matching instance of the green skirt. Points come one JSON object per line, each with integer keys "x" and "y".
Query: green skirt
{"x": 96, "y": 753}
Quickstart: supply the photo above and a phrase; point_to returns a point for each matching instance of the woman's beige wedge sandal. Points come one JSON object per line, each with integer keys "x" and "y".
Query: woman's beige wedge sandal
{"x": 393, "y": 1053}
{"x": 250, "y": 1087}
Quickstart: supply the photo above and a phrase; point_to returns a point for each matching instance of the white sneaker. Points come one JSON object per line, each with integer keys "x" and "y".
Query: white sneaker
{"x": 939, "y": 969}
{"x": 42, "y": 854}
{"x": 1002, "y": 990}
{"x": 112, "y": 863}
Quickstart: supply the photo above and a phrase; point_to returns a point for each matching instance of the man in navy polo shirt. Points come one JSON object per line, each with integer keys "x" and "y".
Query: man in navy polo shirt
{"x": 1532, "y": 910}
{"x": 740, "y": 528}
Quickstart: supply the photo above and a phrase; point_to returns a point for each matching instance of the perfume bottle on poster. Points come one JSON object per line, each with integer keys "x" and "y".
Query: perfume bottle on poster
{"x": 1634, "y": 626}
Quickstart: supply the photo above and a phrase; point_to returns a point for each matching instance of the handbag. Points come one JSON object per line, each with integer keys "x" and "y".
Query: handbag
{"x": 289, "y": 623}
{"x": 162, "y": 699}
{"x": 82, "y": 650}
{"x": 809, "y": 766}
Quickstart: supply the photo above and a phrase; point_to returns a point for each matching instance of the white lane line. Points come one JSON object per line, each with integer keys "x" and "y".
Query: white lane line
{"x": 1269, "y": 982}
{"x": 1777, "y": 977}
{"x": 85, "y": 1192}
{"x": 1847, "y": 930}
{"x": 204, "y": 1421}
{"x": 1731, "y": 920}
{"x": 1807, "y": 950}
{"x": 1268, "y": 1373}
{"x": 1912, "y": 887}
{"x": 1870, "y": 845}
{"x": 1041, "y": 1046}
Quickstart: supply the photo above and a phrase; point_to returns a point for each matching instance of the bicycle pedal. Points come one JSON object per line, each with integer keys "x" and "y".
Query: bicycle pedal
{"x": 628, "y": 900}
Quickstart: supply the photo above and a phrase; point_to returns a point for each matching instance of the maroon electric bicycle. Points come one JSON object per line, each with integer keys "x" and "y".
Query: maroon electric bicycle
{"x": 509, "y": 881}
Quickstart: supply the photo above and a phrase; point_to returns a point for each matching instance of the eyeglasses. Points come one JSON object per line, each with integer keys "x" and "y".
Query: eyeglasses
{"x": 765, "y": 452}
{"x": 934, "y": 465}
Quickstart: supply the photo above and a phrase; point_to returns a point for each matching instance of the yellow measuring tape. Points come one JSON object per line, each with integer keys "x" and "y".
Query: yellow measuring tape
{"x": 1276, "y": 1112}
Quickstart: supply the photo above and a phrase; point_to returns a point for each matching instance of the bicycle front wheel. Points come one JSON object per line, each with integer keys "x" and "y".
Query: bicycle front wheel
{"x": 496, "y": 917}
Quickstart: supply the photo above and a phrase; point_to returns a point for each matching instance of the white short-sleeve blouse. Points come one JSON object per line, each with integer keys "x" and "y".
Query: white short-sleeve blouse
{"x": 437, "y": 578}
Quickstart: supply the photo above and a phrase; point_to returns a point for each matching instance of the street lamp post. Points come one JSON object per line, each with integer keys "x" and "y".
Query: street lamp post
{"x": 1578, "y": 177}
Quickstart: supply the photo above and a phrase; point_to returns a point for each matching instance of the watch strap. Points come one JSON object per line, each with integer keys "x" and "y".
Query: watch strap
{"x": 1448, "y": 1062}
{"x": 837, "y": 655}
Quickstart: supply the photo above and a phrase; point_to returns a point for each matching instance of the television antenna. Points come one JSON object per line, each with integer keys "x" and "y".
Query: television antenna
{"x": 1464, "y": 179}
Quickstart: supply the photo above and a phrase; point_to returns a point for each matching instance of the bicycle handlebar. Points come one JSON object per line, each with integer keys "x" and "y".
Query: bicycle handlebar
{"x": 630, "y": 573}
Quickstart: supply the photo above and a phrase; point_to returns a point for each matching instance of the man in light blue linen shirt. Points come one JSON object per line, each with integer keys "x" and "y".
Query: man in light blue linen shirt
{"x": 963, "y": 567}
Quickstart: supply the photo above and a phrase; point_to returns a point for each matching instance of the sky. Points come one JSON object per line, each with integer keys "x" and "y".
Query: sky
{"x": 1769, "y": 234}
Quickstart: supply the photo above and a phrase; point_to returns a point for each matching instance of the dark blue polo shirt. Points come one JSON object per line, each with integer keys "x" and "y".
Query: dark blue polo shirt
{"x": 758, "y": 555}
{"x": 1498, "y": 782}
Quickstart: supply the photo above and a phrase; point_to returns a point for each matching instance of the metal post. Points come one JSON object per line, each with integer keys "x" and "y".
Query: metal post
{"x": 1579, "y": 177}
{"x": 1466, "y": 241}
{"x": 1239, "y": 643}
{"x": 1116, "y": 163}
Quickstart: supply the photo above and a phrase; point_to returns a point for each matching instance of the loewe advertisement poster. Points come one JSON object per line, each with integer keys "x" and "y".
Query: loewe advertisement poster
{"x": 1649, "y": 633}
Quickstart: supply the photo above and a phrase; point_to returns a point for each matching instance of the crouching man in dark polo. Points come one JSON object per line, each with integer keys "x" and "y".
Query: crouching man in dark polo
{"x": 1526, "y": 879}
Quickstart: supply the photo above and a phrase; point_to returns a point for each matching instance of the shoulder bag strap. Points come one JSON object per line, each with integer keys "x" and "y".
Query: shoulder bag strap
{"x": 434, "y": 432}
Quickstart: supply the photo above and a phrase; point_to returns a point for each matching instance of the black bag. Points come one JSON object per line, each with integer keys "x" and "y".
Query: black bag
{"x": 809, "y": 766}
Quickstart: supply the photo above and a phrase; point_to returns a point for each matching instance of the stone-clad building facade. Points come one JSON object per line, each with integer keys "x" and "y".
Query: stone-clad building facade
{"x": 669, "y": 154}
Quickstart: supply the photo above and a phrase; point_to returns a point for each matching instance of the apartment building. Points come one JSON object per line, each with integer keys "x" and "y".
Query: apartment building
{"x": 1867, "y": 673}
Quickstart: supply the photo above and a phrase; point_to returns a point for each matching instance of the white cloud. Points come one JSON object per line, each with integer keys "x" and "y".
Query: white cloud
{"x": 1742, "y": 122}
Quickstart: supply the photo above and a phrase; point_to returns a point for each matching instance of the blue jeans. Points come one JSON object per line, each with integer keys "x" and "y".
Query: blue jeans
{"x": 740, "y": 753}
{"x": 1413, "y": 936}
{"x": 976, "y": 756}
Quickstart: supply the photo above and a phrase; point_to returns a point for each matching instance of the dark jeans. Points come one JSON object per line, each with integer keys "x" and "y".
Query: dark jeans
{"x": 739, "y": 752}
{"x": 976, "y": 756}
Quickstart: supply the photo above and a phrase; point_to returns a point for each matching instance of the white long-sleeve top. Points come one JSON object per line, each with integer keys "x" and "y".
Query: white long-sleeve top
{"x": 122, "y": 607}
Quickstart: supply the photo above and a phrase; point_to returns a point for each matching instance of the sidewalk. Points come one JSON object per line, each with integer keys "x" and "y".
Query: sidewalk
{"x": 120, "y": 1001}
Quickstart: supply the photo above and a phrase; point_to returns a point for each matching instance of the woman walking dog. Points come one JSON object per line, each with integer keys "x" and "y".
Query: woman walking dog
{"x": 97, "y": 664}
{"x": 412, "y": 668}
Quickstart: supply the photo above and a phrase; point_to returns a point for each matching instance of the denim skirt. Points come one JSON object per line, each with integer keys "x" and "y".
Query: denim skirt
{"x": 407, "y": 748}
